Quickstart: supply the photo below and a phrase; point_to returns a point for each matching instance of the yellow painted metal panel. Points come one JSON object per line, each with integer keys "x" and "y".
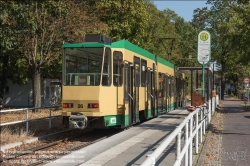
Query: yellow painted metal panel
{"x": 165, "y": 69}
{"x": 108, "y": 101}
{"x": 96, "y": 114}
{"x": 80, "y": 92}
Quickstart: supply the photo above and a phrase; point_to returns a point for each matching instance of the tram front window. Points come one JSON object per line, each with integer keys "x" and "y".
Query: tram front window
{"x": 82, "y": 66}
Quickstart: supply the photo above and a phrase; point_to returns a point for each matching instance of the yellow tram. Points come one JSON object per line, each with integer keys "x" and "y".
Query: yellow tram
{"x": 115, "y": 84}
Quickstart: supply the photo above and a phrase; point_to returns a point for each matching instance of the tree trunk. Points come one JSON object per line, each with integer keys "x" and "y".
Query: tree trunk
{"x": 223, "y": 70}
{"x": 235, "y": 85}
{"x": 5, "y": 61}
{"x": 37, "y": 88}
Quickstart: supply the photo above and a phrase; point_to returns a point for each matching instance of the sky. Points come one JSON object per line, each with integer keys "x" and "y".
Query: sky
{"x": 184, "y": 8}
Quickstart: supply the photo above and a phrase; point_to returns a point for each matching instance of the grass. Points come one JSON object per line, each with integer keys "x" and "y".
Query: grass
{"x": 9, "y": 135}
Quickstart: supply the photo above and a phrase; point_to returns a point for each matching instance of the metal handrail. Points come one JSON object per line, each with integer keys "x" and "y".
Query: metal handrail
{"x": 27, "y": 116}
{"x": 199, "y": 130}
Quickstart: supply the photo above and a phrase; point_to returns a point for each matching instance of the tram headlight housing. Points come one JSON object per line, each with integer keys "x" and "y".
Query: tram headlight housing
{"x": 68, "y": 105}
{"x": 93, "y": 105}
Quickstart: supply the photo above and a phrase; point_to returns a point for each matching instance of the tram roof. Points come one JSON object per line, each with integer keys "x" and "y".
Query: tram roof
{"x": 134, "y": 48}
{"x": 121, "y": 44}
{"x": 85, "y": 44}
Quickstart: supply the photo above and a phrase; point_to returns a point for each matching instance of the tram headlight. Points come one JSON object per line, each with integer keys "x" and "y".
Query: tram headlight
{"x": 93, "y": 105}
{"x": 67, "y": 105}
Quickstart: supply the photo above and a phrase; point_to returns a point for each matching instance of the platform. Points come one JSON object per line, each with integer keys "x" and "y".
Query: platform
{"x": 129, "y": 147}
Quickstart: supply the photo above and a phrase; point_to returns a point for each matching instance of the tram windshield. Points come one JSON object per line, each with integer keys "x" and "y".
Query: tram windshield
{"x": 82, "y": 66}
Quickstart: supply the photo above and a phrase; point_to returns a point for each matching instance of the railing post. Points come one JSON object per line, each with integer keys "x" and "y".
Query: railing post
{"x": 50, "y": 117}
{"x": 213, "y": 105}
{"x": 27, "y": 120}
{"x": 178, "y": 146}
{"x": 207, "y": 112}
{"x": 191, "y": 143}
{"x": 210, "y": 112}
{"x": 208, "y": 115}
{"x": 201, "y": 118}
{"x": 186, "y": 141}
{"x": 204, "y": 120}
{"x": 196, "y": 134}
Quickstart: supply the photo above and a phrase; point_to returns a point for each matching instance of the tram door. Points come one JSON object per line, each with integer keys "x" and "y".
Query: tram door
{"x": 168, "y": 93}
{"x": 149, "y": 90}
{"x": 164, "y": 93}
{"x": 118, "y": 80}
{"x": 129, "y": 92}
{"x": 152, "y": 91}
{"x": 160, "y": 92}
{"x": 154, "y": 85}
{"x": 151, "y": 97}
{"x": 137, "y": 81}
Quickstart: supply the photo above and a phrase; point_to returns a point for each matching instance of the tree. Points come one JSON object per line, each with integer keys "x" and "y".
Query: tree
{"x": 40, "y": 28}
{"x": 7, "y": 45}
{"x": 220, "y": 21}
{"x": 125, "y": 19}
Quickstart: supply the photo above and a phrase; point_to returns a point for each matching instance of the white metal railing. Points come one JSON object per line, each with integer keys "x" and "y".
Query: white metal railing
{"x": 194, "y": 127}
{"x": 27, "y": 116}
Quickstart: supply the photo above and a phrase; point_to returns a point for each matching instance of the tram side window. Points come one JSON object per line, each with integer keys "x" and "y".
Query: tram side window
{"x": 143, "y": 72}
{"x": 137, "y": 71}
{"x": 167, "y": 86}
{"x": 126, "y": 81}
{"x": 117, "y": 68}
{"x": 170, "y": 87}
{"x": 106, "y": 76}
{"x": 160, "y": 91}
{"x": 70, "y": 68}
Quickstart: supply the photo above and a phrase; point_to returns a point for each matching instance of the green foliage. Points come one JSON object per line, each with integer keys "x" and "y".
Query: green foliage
{"x": 33, "y": 32}
{"x": 125, "y": 19}
{"x": 228, "y": 22}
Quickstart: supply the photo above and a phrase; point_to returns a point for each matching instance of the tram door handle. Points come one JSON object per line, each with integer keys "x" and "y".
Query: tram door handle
{"x": 130, "y": 96}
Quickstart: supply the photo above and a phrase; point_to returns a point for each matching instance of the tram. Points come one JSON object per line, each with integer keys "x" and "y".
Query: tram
{"x": 116, "y": 84}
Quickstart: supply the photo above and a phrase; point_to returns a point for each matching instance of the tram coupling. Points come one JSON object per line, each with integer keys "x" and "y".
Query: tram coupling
{"x": 78, "y": 121}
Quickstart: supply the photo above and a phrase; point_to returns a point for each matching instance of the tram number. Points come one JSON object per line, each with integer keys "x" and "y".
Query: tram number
{"x": 80, "y": 105}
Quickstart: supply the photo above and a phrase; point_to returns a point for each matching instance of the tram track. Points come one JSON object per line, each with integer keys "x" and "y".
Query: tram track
{"x": 49, "y": 151}
{"x": 44, "y": 151}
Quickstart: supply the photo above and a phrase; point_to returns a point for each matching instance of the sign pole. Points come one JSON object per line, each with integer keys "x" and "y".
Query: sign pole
{"x": 204, "y": 54}
{"x": 203, "y": 80}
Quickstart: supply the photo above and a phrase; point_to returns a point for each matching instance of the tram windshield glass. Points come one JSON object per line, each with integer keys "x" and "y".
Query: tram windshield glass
{"x": 82, "y": 66}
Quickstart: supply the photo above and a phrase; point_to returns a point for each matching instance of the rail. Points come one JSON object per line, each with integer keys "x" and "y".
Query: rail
{"x": 27, "y": 116}
{"x": 193, "y": 127}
